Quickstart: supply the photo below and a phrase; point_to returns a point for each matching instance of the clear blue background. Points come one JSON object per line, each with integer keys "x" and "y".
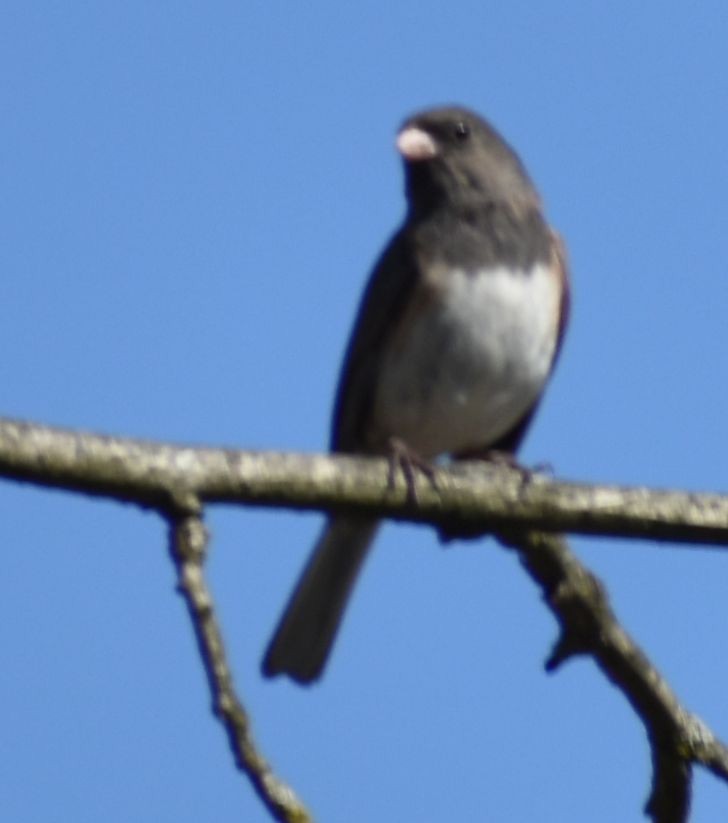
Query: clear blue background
{"x": 192, "y": 196}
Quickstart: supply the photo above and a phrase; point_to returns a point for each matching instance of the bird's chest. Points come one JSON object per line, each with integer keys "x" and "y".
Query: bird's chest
{"x": 470, "y": 359}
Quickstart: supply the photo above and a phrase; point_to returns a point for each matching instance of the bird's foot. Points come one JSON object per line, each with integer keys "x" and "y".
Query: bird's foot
{"x": 505, "y": 458}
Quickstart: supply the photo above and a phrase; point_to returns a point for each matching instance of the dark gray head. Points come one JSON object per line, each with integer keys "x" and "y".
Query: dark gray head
{"x": 452, "y": 156}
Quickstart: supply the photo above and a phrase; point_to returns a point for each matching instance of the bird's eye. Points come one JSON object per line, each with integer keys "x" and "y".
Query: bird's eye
{"x": 462, "y": 131}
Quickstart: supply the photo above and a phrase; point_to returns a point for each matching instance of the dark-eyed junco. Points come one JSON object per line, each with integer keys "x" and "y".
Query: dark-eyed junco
{"x": 457, "y": 334}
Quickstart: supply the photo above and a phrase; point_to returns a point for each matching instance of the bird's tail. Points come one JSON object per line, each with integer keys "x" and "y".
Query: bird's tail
{"x": 308, "y": 627}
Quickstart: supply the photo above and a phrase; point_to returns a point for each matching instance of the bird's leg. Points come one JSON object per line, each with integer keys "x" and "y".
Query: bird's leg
{"x": 402, "y": 457}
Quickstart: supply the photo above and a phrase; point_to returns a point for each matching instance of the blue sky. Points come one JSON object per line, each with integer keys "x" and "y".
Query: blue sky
{"x": 193, "y": 195}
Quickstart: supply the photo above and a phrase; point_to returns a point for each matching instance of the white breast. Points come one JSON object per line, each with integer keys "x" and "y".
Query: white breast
{"x": 472, "y": 362}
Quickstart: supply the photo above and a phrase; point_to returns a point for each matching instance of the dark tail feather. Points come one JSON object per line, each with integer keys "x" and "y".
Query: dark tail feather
{"x": 307, "y": 629}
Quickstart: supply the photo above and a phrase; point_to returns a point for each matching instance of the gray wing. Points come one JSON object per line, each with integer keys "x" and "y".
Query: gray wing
{"x": 384, "y": 300}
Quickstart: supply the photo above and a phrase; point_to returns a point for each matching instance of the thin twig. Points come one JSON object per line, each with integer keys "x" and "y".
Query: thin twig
{"x": 588, "y": 626}
{"x": 188, "y": 545}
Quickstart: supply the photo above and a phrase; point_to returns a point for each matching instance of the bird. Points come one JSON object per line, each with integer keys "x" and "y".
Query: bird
{"x": 456, "y": 336}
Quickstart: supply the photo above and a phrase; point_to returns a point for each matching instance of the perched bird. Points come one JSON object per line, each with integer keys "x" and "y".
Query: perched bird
{"x": 456, "y": 336}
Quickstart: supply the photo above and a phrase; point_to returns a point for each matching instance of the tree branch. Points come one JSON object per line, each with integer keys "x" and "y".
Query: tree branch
{"x": 524, "y": 509}
{"x": 467, "y": 497}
